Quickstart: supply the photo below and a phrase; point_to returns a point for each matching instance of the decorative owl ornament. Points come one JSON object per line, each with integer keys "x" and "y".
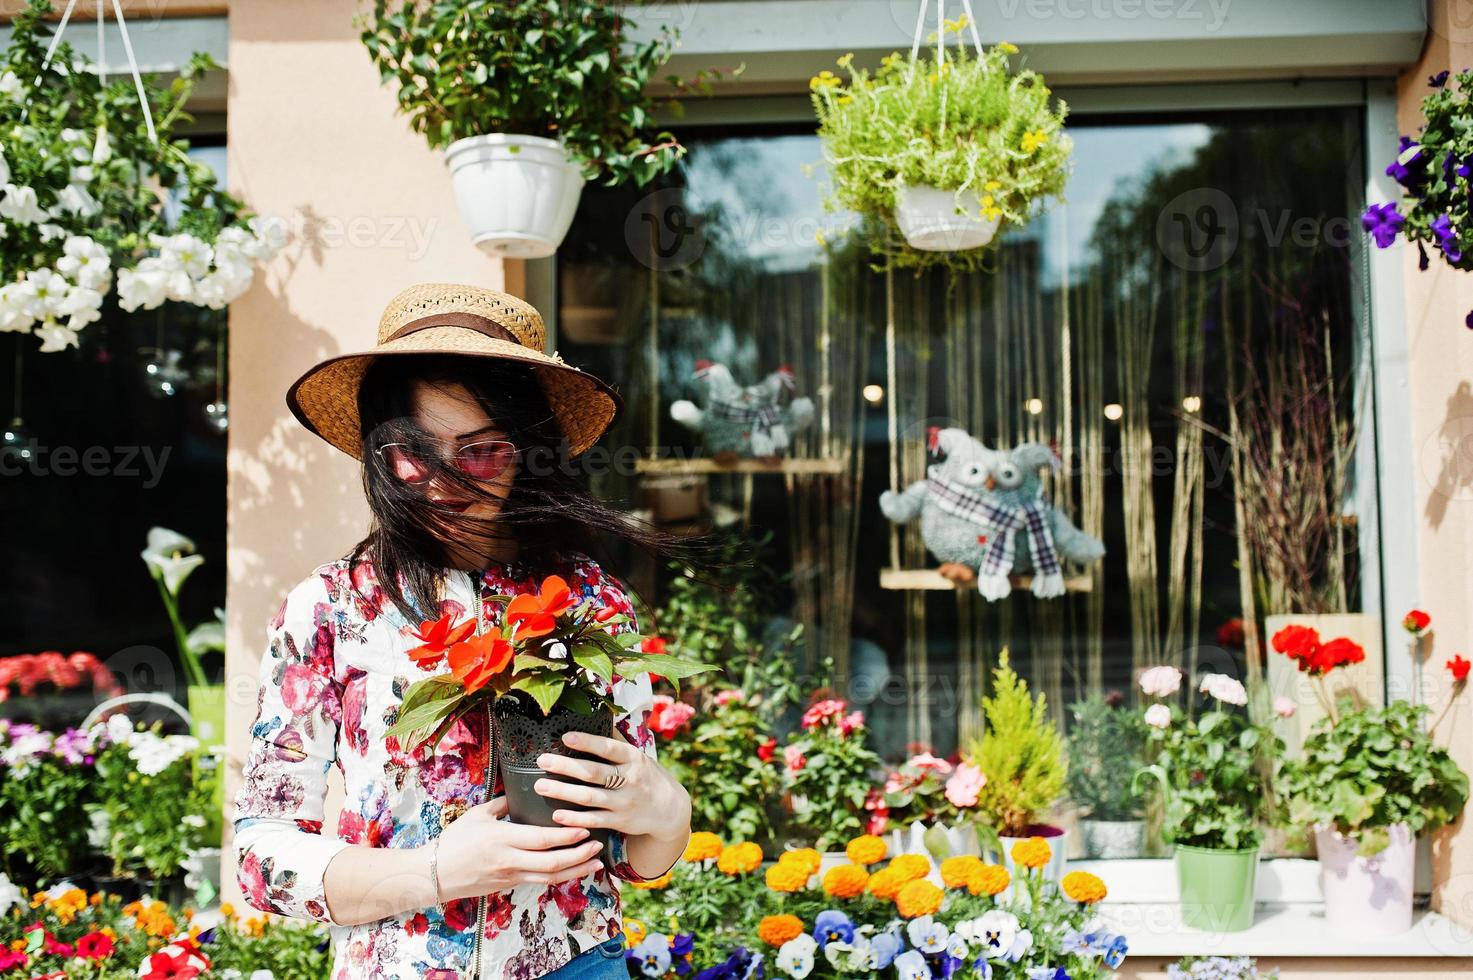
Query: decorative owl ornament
{"x": 983, "y": 514}
{"x": 755, "y": 421}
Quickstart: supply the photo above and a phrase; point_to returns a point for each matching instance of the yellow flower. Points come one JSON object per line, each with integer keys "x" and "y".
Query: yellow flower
{"x": 226, "y": 909}
{"x": 739, "y": 859}
{"x": 1007, "y": 47}
{"x": 993, "y": 185}
{"x": 1033, "y": 139}
{"x": 1032, "y": 853}
{"x": 991, "y": 213}
{"x": 989, "y": 879}
{"x": 867, "y": 849}
{"x": 634, "y": 932}
{"x": 844, "y": 99}
{"x": 805, "y": 857}
{"x": 787, "y": 876}
{"x": 654, "y": 884}
{"x": 255, "y": 925}
{"x": 846, "y": 60}
{"x": 911, "y": 866}
{"x": 886, "y": 883}
{"x": 774, "y": 930}
{"x": 957, "y": 871}
{"x": 68, "y": 904}
{"x": 1083, "y": 887}
{"x": 845, "y": 881}
{"x": 988, "y": 201}
{"x": 703, "y": 846}
{"x": 918, "y": 898}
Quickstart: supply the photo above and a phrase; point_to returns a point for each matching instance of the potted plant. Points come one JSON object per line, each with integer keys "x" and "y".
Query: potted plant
{"x": 828, "y": 768}
{"x": 1019, "y": 758}
{"x": 96, "y": 195}
{"x": 1212, "y": 775}
{"x": 51, "y": 688}
{"x": 926, "y": 800}
{"x": 1105, "y": 740}
{"x": 548, "y": 670}
{"x": 1218, "y": 968}
{"x": 946, "y": 147}
{"x": 1370, "y": 780}
{"x": 529, "y": 100}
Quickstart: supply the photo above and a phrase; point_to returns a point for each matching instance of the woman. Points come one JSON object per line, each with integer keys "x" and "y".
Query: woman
{"x": 465, "y": 428}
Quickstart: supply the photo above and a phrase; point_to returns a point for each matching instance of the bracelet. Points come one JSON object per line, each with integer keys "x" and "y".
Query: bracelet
{"x": 435, "y": 868}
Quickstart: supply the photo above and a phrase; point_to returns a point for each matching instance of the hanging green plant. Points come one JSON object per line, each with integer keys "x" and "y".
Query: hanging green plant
{"x": 95, "y": 195}
{"x": 940, "y": 151}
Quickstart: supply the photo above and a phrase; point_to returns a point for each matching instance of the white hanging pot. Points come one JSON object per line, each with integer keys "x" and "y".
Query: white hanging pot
{"x": 936, "y": 220}
{"x": 517, "y": 194}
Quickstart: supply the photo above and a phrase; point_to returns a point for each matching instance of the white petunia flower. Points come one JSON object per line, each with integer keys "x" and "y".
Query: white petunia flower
{"x": 45, "y": 292}
{"x": 56, "y": 338}
{"x": 76, "y": 199}
{"x": 188, "y": 253}
{"x": 270, "y": 236}
{"x": 10, "y": 894}
{"x": 20, "y": 205}
{"x": 10, "y": 85}
{"x": 85, "y": 262}
{"x": 4, "y": 166}
{"x": 14, "y": 316}
{"x": 144, "y": 286}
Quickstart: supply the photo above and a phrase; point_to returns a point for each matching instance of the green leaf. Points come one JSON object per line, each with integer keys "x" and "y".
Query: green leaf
{"x": 589, "y": 656}
{"x": 544, "y": 689}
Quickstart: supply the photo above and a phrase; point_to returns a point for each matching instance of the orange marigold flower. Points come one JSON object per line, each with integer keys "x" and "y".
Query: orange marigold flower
{"x": 654, "y": 884}
{"x": 739, "y": 859}
{"x": 918, "y": 898}
{"x": 911, "y": 866}
{"x": 774, "y": 930}
{"x": 845, "y": 881}
{"x": 885, "y": 883}
{"x": 989, "y": 879}
{"x": 867, "y": 849}
{"x": 957, "y": 871}
{"x": 703, "y": 846}
{"x": 805, "y": 857}
{"x": 1032, "y": 853}
{"x": 787, "y": 876}
{"x": 1083, "y": 887}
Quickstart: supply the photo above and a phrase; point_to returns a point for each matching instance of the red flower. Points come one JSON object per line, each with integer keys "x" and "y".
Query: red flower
{"x": 1296, "y": 642}
{"x": 653, "y": 644}
{"x": 95, "y": 946}
{"x": 1340, "y": 652}
{"x": 823, "y": 712}
{"x": 1230, "y": 633}
{"x": 879, "y": 812}
{"x": 1416, "y": 622}
{"x": 10, "y": 959}
{"x": 767, "y": 749}
{"x": 605, "y": 614}
{"x": 668, "y": 715}
{"x": 532, "y": 616}
{"x": 1459, "y": 666}
{"x": 174, "y": 962}
{"x": 438, "y": 636}
{"x": 475, "y": 661}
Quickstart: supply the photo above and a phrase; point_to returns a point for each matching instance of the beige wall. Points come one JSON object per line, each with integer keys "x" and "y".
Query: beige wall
{"x": 315, "y": 140}
{"x": 1441, "y": 389}
{"x": 1326, "y": 969}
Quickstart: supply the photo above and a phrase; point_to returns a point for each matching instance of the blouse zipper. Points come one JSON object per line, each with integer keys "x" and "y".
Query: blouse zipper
{"x": 490, "y": 788}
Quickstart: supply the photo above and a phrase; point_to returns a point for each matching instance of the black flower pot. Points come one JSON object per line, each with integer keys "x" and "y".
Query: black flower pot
{"x": 523, "y": 734}
{"x": 126, "y": 887}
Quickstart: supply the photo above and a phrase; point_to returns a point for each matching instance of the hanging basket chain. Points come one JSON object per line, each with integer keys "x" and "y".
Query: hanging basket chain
{"x": 66, "y": 17}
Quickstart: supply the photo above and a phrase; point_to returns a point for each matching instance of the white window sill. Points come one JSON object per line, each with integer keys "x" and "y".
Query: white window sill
{"x": 1290, "y": 922}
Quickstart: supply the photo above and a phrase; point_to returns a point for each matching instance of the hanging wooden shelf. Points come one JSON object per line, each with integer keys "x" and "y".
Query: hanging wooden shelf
{"x": 800, "y": 467}
{"x": 929, "y": 579}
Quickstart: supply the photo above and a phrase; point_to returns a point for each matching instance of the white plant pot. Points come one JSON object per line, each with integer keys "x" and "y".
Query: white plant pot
{"x": 935, "y": 220}
{"x": 517, "y": 194}
{"x": 1113, "y": 839}
{"x": 1367, "y": 896}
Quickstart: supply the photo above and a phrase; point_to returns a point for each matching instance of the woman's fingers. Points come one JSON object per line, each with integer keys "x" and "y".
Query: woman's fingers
{"x": 575, "y": 793}
{"x": 527, "y": 838}
{"x": 595, "y": 773}
{"x": 581, "y": 871}
{"x": 556, "y": 861}
{"x": 616, "y": 751}
{"x": 584, "y": 818}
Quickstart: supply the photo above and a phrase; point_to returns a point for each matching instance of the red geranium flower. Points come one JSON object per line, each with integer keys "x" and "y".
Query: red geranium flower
{"x": 767, "y": 749}
{"x": 1296, "y": 642}
{"x": 1230, "y": 633}
{"x": 1459, "y": 666}
{"x": 438, "y": 636}
{"x": 95, "y": 946}
{"x": 475, "y": 661}
{"x": 1340, "y": 652}
{"x": 1416, "y": 622}
{"x": 532, "y": 616}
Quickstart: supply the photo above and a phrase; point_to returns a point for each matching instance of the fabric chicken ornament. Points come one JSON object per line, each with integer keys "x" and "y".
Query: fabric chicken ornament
{"x": 984, "y": 515}
{"x": 755, "y": 421}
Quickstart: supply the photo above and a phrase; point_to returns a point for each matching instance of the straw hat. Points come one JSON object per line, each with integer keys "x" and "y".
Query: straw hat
{"x": 439, "y": 318}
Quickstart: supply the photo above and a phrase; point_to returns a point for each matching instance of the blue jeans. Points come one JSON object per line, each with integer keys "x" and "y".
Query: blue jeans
{"x": 603, "y": 962}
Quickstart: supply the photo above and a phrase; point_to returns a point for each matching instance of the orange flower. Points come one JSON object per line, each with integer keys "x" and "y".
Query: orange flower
{"x": 652, "y": 644}
{"x": 805, "y": 857}
{"x": 918, "y": 898}
{"x": 867, "y": 849}
{"x": 774, "y": 930}
{"x": 475, "y": 661}
{"x": 654, "y": 884}
{"x": 845, "y": 881}
{"x": 886, "y": 883}
{"x": 957, "y": 871}
{"x": 438, "y": 636}
{"x": 1083, "y": 887}
{"x": 739, "y": 859}
{"x": 1032, "y": 853}
{"x": 989, "y": 879}
{"x": 536, "y": 615}
{"x": 909, "y": 867}
{"x": 787, "y": 876}
{"x": 702, "y": 846}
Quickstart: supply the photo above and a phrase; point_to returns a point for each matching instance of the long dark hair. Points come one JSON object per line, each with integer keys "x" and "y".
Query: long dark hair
{"x": 548, "y": 510}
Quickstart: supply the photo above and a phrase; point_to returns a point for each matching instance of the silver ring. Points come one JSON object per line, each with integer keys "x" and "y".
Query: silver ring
{"x": 615, "y": 780}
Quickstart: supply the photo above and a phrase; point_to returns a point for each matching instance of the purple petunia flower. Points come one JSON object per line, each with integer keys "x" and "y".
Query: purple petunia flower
{"x": 1382, "y": 222}
{"x": 1447, "y": 238}
{"x": 1438, "y": 80}
{"x": 1408, "y": 167}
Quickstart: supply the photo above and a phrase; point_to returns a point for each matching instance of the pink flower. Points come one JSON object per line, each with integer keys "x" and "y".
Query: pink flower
{"x": 1158, "y": 716}
{"x": 821, "y": 712}
{"x": 1161, "y": 682}
{"x": 727, "y": 697}
{"x": 668, "y": 715}
{"x": 964, "y": 786}
{"x": 850, "y": 722}
{"x": 1285, "y": 707}
{"x": 1225, "y": 689}
{"x": 793, "y": 756}
{"x": 926, "y": 762}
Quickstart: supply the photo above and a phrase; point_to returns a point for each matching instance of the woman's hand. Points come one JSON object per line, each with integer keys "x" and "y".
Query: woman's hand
{"x": 481, "y": 853}
{"x": 629, "y": 792}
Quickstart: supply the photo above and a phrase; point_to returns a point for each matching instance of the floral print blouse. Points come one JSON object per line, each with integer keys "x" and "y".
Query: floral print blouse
{"x": 331, "y": 681}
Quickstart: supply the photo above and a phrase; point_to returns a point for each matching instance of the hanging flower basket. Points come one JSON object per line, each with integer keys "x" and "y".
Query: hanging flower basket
{"x": 516, "y": 194}
{"x": 942, "y": 149}
{"x": 95, "y": 195}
